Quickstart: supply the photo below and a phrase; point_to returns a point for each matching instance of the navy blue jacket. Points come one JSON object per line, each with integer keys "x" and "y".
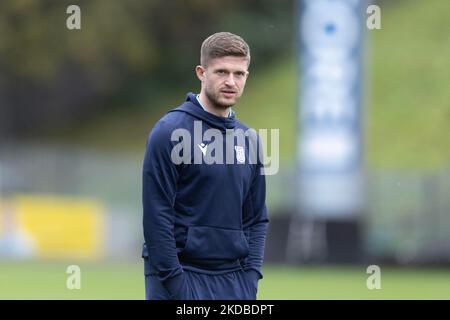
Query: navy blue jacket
{"x": 209, "y": 218}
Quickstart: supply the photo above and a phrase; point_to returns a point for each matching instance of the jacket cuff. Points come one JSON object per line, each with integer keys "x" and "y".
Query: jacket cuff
{"x": 253, "y": 274}
{"x": 173, "y": 285}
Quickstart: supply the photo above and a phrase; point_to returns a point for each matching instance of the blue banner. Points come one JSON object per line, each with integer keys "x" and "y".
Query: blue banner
{"x": 331, "y": 34}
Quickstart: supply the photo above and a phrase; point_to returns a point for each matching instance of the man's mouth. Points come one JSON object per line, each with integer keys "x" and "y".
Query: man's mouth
{"x": 228, "y": 93}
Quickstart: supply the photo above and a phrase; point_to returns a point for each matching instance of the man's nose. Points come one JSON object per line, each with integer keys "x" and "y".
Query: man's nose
{"x": 230, "y": 81}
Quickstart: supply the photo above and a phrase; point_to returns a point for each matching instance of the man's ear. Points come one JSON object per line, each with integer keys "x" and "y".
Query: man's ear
{"x": 200, "y": 71}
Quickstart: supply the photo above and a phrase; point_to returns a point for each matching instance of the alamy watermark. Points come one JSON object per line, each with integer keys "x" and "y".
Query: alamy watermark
{"x": 73, "y": 22}
{"x": 74, "y": 279}
{"x": 239, "y": 147}
{"x": 374, "y": 20}
{"x": 374, "y": 280}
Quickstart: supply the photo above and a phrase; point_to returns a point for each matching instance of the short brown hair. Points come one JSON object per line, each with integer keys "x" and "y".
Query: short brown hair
{"x": 223, "y": 44}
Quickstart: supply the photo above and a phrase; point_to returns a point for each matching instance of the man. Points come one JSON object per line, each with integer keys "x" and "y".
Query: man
{"x": 204, "y": 224}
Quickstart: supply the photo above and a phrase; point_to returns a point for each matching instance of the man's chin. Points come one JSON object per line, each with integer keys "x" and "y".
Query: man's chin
{"x": 227, "y": 103}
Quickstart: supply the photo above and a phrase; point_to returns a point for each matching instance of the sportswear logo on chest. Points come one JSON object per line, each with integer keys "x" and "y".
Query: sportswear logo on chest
{"x": 203, "y": 148}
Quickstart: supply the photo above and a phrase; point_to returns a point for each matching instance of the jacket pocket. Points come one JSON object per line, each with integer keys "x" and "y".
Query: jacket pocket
{"x": 212, "y": 243}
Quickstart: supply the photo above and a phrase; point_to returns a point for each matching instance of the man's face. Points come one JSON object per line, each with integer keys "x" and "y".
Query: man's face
{"x": 223, "y": 80}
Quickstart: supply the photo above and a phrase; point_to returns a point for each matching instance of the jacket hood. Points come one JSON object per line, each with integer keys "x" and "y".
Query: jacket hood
{"x": 192, "y": 106}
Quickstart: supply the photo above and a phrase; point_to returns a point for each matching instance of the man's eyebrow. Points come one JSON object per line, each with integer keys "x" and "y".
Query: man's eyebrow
{"x": 228, "y": 70}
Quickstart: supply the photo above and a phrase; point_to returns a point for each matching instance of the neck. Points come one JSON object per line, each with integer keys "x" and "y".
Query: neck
{"x": 211, "y": 108}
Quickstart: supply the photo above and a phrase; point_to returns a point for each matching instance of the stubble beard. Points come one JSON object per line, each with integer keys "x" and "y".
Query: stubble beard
{"x": 214, "y": 99}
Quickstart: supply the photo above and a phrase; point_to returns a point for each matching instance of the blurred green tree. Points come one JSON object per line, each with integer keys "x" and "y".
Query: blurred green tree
{"x": 58, "y": 76}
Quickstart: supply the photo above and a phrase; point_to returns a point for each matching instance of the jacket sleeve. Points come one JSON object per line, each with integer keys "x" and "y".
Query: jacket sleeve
{"x": 160, "y": 177}
{"x": 255, "y": 222}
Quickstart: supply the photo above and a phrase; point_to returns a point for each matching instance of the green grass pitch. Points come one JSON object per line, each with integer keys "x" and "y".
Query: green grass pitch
{"x": 47, "y": 280}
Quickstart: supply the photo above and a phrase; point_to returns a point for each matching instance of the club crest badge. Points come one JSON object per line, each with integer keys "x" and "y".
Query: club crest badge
{"x": 240, "y": 154}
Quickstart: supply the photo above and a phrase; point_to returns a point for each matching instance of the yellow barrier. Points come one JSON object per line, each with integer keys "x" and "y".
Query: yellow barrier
{"x": 59, "y": 227}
